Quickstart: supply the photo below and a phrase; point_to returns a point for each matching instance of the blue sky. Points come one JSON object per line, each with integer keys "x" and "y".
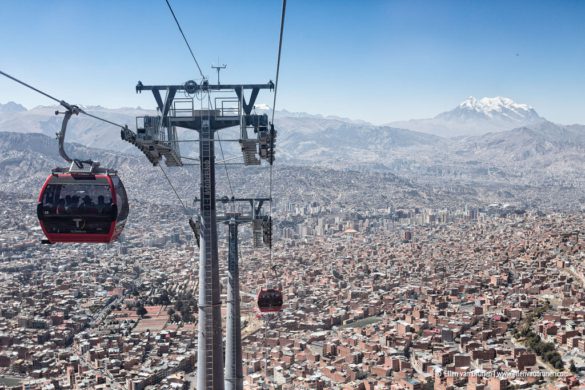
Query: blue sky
{"x": 374, "y": 60}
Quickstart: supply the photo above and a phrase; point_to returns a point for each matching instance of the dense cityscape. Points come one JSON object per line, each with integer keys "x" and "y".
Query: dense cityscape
{"x": 384, "y": 298}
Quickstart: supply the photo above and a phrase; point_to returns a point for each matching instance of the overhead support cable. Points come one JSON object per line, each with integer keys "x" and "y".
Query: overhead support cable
{"x": 227, "y": 174}
{"x": 278, "y": 58}
{"x": 224, "y": 161}
{"x": 102, "y": 119}
{"x": 185, "y": 39}
{"x": 282, "y": 18}
{"x": 174, "y": 190}
{"x": 62, "y": 102}
{"x": 31, "y": 87}
{"x": 208, "y": 94}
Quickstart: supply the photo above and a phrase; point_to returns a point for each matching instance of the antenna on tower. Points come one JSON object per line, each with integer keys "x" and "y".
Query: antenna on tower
{"x": 218, "y": 68}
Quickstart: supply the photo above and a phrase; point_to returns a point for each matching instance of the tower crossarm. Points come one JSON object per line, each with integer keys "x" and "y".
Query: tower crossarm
{"x": 192, "y": 87}
{"x": 255, "y": 209}
{"x": 261, "y": 223}
{"x": 157, "y": 136}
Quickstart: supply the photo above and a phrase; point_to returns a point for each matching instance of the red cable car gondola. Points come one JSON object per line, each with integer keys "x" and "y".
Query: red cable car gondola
{"x": 269, "y": 300}
{"x": 83, "y": 203}
{"x": 80, "y": 207}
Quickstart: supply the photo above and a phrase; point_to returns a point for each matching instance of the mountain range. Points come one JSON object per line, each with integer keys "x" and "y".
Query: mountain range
{"x": 472, "y": 117}
{"x": 505, "y": 144}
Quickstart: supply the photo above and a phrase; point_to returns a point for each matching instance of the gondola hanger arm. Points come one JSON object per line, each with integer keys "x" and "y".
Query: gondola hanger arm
{"x": 71, "y": 110}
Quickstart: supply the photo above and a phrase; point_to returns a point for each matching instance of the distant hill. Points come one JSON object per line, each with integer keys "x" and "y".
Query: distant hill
{"x": 27, "y": 159}
{"x": 11, "y": 107}
{"x": 301, "y": 136}
{"x": 539, "y": 150}
{"x": 348, "y": 142}
{"x": 82, "y": 129}
{"x": 526, "y": 142}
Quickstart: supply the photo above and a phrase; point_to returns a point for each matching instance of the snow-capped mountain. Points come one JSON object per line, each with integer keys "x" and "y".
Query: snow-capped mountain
{"x": 497, "y": 108}
{"x": 476, "y": 117}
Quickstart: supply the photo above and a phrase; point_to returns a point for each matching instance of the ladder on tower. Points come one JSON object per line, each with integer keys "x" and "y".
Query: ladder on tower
{"x": 206, "y": 213}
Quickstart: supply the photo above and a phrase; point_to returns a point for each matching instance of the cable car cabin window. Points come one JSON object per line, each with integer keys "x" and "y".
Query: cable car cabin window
{"x": 77, "y": 206}
{"x": 121, "y": 199}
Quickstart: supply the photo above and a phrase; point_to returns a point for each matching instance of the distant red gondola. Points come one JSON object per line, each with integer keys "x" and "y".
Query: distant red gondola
{"x": 82, "y": 207}
{"x": 269, "y": 300}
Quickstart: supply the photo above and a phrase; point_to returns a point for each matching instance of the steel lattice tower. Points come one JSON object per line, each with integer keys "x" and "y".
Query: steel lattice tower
{"x": 234, "y": 377}
{"x": 209, "y": 338}
{"x": 156, "y": 137}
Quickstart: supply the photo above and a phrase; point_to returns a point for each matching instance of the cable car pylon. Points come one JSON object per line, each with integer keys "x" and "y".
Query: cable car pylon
{"x": 156, "y": 138}
{"x": 234, "y": 378}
